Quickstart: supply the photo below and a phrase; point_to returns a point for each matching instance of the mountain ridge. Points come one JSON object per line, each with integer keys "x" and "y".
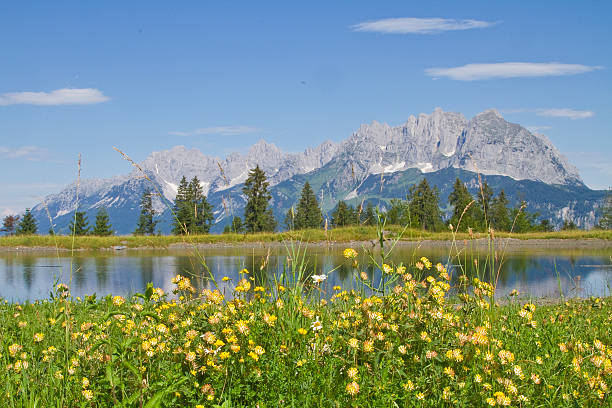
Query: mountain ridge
{"x": 486, "y": 143}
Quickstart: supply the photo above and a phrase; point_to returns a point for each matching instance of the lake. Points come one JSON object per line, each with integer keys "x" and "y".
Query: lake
{"x": 28, "y": 276}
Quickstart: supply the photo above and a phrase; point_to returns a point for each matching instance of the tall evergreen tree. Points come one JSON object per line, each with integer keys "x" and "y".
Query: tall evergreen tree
{"x": 79, "y": 224}
{"x": 202, "y": 211}
{"x": 308, "y": 214}
{"x": 423, "y": 206}
{"x": 460, "y": 198}
{"x": 396, "y": 212}
{"x": 103, "y": 226}
{"x": 9, "y": 224}
{"x": 290, "y": 219}
{"x": 485, "y": 196}
{"x": 498, "y": 214}
{"x": 523, "y": 220}
{"x": 258, "y": 216}
{"x": 367, "y": 216}
{"x": 146, "y": 221}
{"x": 344, "y": 215}
{"x": 27, "y": 225}
{"x": 182, "y": 212}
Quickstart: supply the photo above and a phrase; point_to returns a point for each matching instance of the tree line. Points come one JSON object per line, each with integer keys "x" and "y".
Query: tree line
{"x": 193, "y": 214}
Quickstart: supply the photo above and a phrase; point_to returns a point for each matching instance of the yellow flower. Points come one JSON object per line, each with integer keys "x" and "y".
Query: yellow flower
{"x": 353, "y": 373}
{"x": 302, "y": 331}
{"x": 352, "y": 388}
{"x": 350, "y": 253}
{"x": 223, "y": 355}
{"x": 38, "y": 337}
{"x": 353, "y": 342}
{"x": 118, "y": 300}
{"x": 387, "y": 269}
{"x": 87, "y": 394}
{"x": 420, "y": 396}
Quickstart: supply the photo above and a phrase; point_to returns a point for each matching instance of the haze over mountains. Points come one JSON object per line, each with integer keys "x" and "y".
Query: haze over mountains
{"x": 377, "y": 162}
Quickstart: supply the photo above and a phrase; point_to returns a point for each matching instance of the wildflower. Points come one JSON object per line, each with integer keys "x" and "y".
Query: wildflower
{"x": 352, "y": 388}
{"x": 302, "y": 331}
{"x": 350, "y": 253}
{"x": 22, "y": 324}
{"x": 14, "y": 349}
{"x": 387, "y": 269}
{"x": 259, "y": 350}
{"x": 118, "y": 300}
{"x": 354, "y": 343}
{"x": 85, "y": 382}
{"x": 242, "y": 327}
{"x": 269, "y": 319}
{"x": 190, "y": 357}
{"x": 477, "y": 378}
{"x": 491, "y": 401}
{"x": 316, "y": 325}
{"x": 363, "y": 276}
{"x": 449, "y": 371}
{"x": 368, "y": 346}
{"x": 254, "y": 356}
{"x": 161, "y": 328}
{"x": 319, "y": 278}
{"x": 420, "y": 396}
{"x": 38, "y": 337}
{"x": 87, "y": 394}
{"x": 223, "y": 355}
{"x": 225, "y": 279}
{"x": 353, "y": 373}
{"x": 535, "y": 378}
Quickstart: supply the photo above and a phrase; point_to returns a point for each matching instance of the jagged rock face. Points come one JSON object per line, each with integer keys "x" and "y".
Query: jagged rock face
{"x": 487, "y": 143}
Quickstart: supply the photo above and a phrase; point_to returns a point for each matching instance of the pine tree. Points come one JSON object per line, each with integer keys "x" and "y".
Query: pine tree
{"x": 569, "y": 225}
{"x": 103, "y": 226}
{"x": 396, "y": 211}
{"x": 9, "y": 224}
{"x": 146, "y": 222}
{"x": 423, "y": 206}
{"x": 460, "y": 198}
{"x": 485, "y": 197}
{"x": 344, "y": 215}
{"x": 257, "y": 216}
{"x": 498, "y": 214}
{"x": 523, "y": 220}
{"x": 27, "y": 226}
{"x": 290, "y": 219}
{"x": 308, "y": 214}
{"x": 201, "y": 211}
{"x": 182, "y": 213}
{"x": 79, "y": 224}
{"x": 367, "y": 216}
{"x": 237, "y": 227}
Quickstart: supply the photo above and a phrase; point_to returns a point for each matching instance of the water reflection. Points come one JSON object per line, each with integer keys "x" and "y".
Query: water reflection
{"x": 31, "y": 276}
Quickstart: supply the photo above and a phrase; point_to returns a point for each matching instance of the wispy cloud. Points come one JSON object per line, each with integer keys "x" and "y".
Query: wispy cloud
{"x": 473, "y": 72}
{"x": 30, "y": 153}
{"x": 219, "y": 130}
{"x": 565, "y": 113}
{"x": 538, "y": 129}
{"x": 410, "y": 25}
{"x": 66, "y": 96}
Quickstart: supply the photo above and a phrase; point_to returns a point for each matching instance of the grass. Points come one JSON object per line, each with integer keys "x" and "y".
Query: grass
{"x": 347, "y": 234}
{"x": 282, "y": 344}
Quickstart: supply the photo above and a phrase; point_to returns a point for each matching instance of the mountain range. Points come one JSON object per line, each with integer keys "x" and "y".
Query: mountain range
{"x": 376, "y": 163}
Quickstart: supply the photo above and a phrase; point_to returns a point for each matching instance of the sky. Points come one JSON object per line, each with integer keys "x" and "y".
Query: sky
{"x": 82, "y": 77}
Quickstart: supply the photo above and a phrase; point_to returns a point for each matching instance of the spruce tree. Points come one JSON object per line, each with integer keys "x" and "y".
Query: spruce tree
{"x": 289, "y": 221}
{"x": 485, "y": 197}
{"x": 344, "y": 215}
{"x": 460, "y": 198}
{"x": 367, "y": 216}
{"x": 308, "y": 214}
{"x": 605, "y": 220}
{"x": 27, "y": 226}
{"x": 146, "y": 222}
{"x": 182, "y": 213}
{"x": 257, "y": 216}
{"x": 79, "y": 224}
{"x": 237, "y": 227}
{"x": 423, "y": 206}
{"x": 103, "y": 226}
{"x": 522, "y": 220}
{"x": 9, "y": 224}
{"x": 498, "y": 214}
{"x": 200, "y": 210}
{"x": 396, "y": 211}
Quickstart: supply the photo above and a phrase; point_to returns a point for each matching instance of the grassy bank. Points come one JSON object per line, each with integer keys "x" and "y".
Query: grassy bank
{"x": 346, "y": 234}
{"x": 285, "y": 346}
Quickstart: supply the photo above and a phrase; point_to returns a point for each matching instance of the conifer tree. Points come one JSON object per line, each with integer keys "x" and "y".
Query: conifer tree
{"x": 485, "y": 197}
{"x": 146, "y": 222}
{"x": 396, "y": 211}
{"x": 423, "y": 205}
{"x": 522, "y": 220}
{"x": 308, "y": 214}
{"x": 202, "y": 216}
{"x": 460, "y": 198}
{"x": 27, "y": 225}
{"x": 498, "y": 216}
{"x": 182, "y": 213}
{"x": 103, "y": 226}
{"x": 79, "y": 224}
{"x": 290, "y": 219}
{"x": 258, "y": 217}
{"x": 605, "y": 220}
{"x": 367, "y": 216}
{"x": 344, "y": 215}
{"x": 236, "y": 226}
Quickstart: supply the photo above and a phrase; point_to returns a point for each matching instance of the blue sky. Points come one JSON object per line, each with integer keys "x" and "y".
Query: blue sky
{"x": 82, "y": 77}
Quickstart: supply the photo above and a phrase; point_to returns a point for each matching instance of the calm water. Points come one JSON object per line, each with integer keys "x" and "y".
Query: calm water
{"x": 30, "y": 276}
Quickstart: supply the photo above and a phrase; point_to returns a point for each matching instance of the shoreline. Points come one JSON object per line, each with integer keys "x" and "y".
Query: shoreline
{"x": 509, "y": 244}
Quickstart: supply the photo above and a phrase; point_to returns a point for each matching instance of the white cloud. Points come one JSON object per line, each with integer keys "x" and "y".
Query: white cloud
{"x": 473, "y": 72}
{"x": 66, "y": 96}
{"x": 537, "y": 129}
{"x": 418, "y": 25}
{"x": 30, "y": 153}
{"x": 565, "y": 113}
{"x": 219, "y": 130}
